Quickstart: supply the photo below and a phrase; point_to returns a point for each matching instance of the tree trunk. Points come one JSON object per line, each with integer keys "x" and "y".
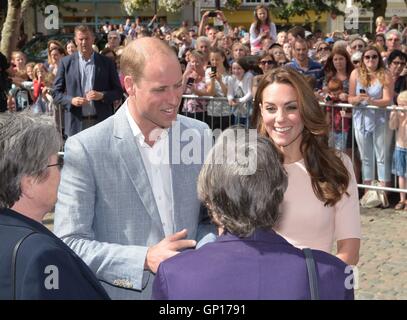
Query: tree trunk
{"x": 10, "y": 28}
{"x": 27, "y": 17}
{"x": 25, "y": 5}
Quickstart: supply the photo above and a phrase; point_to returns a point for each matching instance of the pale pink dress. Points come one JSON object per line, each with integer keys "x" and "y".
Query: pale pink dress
{"x": 306, "y": 222}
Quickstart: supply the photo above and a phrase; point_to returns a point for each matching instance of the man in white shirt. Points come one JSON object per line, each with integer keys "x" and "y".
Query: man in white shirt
{"x": 127, "y": 199}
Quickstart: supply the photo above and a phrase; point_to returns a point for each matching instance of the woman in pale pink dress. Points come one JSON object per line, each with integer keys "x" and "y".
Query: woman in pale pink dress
{"x": 321, "y": 204}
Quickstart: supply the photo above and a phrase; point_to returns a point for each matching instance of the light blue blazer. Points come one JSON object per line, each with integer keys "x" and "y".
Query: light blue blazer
{"x": 106, "y": 211}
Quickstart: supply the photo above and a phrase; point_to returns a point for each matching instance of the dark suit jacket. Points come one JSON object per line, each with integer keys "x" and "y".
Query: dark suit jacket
{"x": 262, "y": 266}
{"x": 72, "y": 279}
{"x": 67, "y": 85}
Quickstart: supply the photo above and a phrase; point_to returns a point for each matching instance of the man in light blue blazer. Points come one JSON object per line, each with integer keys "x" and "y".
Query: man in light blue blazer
{"x": 127, "y": 199}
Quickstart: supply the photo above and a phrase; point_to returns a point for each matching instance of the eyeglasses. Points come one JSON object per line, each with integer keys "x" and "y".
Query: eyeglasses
{"x": 374, "y": 57}
{"x": 60, "y": 163}
{"x": 356, "y": 61}
{"x": 393, "y": 39}
{"x": 399, "y": 63}
{"x": 357, "y": 46}
{"x": 269, "y": 62}
{"x": 323, "y": 49}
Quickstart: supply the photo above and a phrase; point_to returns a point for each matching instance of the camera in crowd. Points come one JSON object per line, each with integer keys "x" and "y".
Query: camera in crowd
{"x": 190, "y": 81}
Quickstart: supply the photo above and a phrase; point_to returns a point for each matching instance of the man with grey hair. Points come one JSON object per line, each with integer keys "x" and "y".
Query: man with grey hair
{"x": 43, "y": 267}
{"x": 203, "y": 44}
{"x": 113, "y": 40}
{"x": 393, "y": 42}
{"x": 127, "y": 199}
{"x": 248, "y": 260}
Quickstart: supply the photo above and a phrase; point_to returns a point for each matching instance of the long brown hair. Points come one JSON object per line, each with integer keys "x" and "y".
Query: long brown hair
{"x": 329, "y": 67}
{"x": 258, "y": 22}
{"x": 329, "y": 176}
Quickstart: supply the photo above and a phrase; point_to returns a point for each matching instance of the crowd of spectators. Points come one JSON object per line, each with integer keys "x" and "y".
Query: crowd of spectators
{"x": 226, "y": 62}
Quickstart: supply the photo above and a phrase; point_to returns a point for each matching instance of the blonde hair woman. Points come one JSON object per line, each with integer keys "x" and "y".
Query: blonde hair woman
{"x": 371, "y": 84}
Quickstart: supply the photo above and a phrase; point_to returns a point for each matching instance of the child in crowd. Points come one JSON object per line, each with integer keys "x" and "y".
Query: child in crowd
{"x": 339, "y": 120}
{"x": 381, "y": 26}
{"x": 398, "y": 121}
{"x": 240, "y": 91}
{"x": 18, "y": 61}
{"x": 29, "y": 68}
{"x": 261, "y": 28}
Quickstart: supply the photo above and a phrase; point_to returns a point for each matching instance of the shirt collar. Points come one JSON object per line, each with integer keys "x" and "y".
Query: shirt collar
{"x": 136, "y": 129}
{"x": 92, "y": 58}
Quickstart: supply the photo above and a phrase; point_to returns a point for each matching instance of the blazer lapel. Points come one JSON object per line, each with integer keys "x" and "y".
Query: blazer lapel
{"x": 133, "y": 163}
{"x": 178, "y": 172}
{"x": 97, "y": 72}
{"x": 78, "y": 78}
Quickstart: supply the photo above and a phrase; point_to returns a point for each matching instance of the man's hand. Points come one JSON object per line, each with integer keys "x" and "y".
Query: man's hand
{"x": 94, "y": 95}
{"x": 167, "y": 248}
{"x": 78, "y": 101}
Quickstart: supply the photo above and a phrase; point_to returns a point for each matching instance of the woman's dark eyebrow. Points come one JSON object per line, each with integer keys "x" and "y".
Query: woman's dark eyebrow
{"x": 271, "y": 103}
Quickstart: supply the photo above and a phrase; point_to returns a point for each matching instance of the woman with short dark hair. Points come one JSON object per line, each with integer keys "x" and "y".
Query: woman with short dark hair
{"x": 242, "y": 183}
{"x": 43, "y": 267}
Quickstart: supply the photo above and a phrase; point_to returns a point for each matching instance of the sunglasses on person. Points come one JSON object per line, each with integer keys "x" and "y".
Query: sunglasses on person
{"x": 373, "y": 57}
{"x": 60, "y": 162}
{"x": 357, "y": 46}
{"x": 323, "y": 49}
{"x": 269, "y": 62}
{"x": 399, "y": 63}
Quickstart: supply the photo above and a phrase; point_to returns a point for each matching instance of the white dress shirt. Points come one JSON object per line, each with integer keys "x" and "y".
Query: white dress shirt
{"x": 156, "y": 163}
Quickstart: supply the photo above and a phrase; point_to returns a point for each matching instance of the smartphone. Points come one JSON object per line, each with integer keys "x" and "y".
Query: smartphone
{"x": 212, "y": 14}
{"x": 190, "y": 81}
{"x": 213, "y": 69}
{"x": 361, "y": 91}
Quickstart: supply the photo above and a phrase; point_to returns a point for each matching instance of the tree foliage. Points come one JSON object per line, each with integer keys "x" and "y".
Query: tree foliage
{"x": 15, "y": 11}
{"x": 285, "y": 10}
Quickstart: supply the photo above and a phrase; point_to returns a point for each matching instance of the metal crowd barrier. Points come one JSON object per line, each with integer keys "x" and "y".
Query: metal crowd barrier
{"x": 58, "y": 112}
{"x": 387, "y": 109}
{"x": 226, "y": 112}
{"x": 353, "y": 154}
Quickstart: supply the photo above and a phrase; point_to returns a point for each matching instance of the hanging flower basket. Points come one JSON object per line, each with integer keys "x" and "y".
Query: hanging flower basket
{"x": 172, "y": 5}
{"x": 134, "y": 5}
{"x": 232, "y": 4}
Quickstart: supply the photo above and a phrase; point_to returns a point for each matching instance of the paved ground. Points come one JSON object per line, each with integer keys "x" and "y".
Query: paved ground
{"x": 383, "y": 261}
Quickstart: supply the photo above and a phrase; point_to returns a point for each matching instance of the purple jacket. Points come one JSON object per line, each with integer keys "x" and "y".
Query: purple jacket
{"x": 262, "y": 266}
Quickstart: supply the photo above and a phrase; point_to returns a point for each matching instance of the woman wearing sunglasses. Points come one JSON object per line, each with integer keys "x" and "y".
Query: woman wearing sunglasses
{"x": 266, "y": 63}
{"x": 323, "y": 50}
{"x": 371, "y": 84}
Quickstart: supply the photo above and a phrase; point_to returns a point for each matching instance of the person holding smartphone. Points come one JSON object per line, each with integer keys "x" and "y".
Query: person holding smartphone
{"x": 194, "y": 83}
{"x": 371, "y": 84}
{"x": 217, "y": 78}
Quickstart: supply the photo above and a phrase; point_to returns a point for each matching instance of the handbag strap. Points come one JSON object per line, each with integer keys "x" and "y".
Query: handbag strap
{"x": 312, "y": 274}
{"x": 14, "y": 263}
